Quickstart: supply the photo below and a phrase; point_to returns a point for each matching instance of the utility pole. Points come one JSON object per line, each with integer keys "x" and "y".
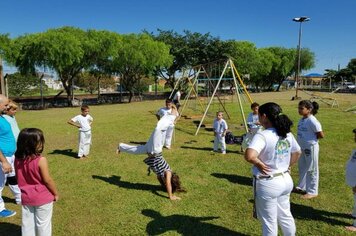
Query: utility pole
{"x": 2, "y": 81}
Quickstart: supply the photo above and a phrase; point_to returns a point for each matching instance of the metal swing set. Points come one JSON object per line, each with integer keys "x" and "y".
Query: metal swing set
{"x": 202, "y": 73}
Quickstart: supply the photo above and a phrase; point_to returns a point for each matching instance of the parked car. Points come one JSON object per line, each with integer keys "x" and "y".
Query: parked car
{"x": 349, "y": 85}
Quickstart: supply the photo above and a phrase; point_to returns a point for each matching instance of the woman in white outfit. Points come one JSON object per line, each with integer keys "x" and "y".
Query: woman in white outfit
{"x": 272, "y": 151}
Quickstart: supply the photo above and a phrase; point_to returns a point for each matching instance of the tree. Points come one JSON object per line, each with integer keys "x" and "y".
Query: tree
{"x": 65, "y": 50}
{"x": 20, "y": 85}
{"x": 138, "y": 57}
{"x": 91, "y": 82}
{"x": 189, "y": 49}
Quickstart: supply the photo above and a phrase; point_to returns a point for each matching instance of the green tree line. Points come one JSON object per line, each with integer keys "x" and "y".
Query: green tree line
{"x": 91, "y": 56}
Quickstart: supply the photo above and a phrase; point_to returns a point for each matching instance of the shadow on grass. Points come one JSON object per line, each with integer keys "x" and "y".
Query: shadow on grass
{"x": 8, "y": 200}
{"x": 9, "y": 229}
{"x": 65, "y": 152}
{"x": 207, "y": 149}
{"x": 184, "y": 131}
{"x": 309, "y": 213}
{"x": 116, "y": 180}
{"x": 183, "y": 225}
{"x": 236, "y": 179}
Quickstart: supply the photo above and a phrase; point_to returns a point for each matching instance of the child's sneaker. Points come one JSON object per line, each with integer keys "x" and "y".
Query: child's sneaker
{"x": 223, "y": 152}
{"x": 7, "y": 213}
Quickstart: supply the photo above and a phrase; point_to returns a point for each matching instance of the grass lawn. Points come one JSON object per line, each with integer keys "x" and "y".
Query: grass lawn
{"x": 112, "y": 195}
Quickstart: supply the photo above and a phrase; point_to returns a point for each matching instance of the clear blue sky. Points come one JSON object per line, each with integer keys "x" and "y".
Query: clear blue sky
{"x": 330, "y": 34}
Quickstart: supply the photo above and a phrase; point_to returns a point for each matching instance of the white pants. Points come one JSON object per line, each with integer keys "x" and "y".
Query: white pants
{"x": 167, "y": 136}
{"x": 37, "y": 220}
{"x": 84, "y": 143}
{"x": 153, "y": 145}
{"x": 308, "y": 165}
{"x": 219, "y": 141}
{"x": 14, "y": 188}
{"x": 273, "y": 206}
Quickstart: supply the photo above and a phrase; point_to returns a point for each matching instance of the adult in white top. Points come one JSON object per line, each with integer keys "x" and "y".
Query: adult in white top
{"x": 168, "y": 134}
{"x": 272, "y": 151}
{"x": 309, "y": 132}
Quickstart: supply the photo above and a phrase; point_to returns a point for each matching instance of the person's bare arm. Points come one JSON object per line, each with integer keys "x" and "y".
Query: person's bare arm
{"x": 320, "y": 134}
{"x": 294, "y": 158}
{"x": 48, "y": 181}
{"x": 73, "y": 123}
{"x": 6, "y": 167}
{"x": 251, "y": 156}
{"x": 169, "y": 186}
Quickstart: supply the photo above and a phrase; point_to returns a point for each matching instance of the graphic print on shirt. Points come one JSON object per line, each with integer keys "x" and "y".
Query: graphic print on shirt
{"x": 282, "y": 149}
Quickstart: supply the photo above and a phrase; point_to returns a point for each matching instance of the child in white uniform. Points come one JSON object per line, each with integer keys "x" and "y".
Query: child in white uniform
{"x": 220, "y": 128}
{"x": 83, "y": 122}
{"x": 253, "y": 125}
{"x": 309, "y": 131}
{"x": 272, "y": 151}
{"x": 167, "y": 136}
{"x": 351, "y": 181}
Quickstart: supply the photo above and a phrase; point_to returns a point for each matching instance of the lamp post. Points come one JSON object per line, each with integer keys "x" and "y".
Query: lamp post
{"x": 300, "y": 20}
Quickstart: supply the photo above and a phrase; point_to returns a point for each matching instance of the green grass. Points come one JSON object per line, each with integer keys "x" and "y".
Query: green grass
{"x": 112, "y": 195}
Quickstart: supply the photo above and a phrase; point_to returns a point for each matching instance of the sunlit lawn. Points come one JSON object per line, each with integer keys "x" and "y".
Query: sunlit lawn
{"x": 112, "y": 195}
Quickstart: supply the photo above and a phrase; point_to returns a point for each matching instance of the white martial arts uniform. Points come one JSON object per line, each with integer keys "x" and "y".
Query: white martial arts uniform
{"x": 84, "y": 134}
{"x": 272, "y": 191}
{"x": 219, "y": 126}
{"x": 167, "y": 136}
{"x": 308, "y": 163}
{"x": 351, "y": 178}
{"x": 155, "y": 144}
{"x": 252, "y": 119}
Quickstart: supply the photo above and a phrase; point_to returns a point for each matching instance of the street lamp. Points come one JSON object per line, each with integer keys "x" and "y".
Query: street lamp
{"x": 300, "y": 20}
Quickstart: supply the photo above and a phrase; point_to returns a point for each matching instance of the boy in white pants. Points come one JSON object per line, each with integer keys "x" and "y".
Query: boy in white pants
{"x": 220, "y": 128}
{"x": 83, "y": 122}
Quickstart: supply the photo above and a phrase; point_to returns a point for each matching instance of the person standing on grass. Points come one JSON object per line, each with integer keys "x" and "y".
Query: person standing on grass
{"x": 7, "y": 150}
{"x": 167, "y": 136}
{"x": 176, "y": 99}
{"x": 38, "y": 190}
{"x": 309, "y": 132}
{"x": 155, "y": 160}
{"x": 83, "y": 122}
{"x": 10, "y": 117}
{"x": 272, "y": 152}
{"x": 351, "y": 181}
{"x": 253, "y": 125}
{"x": 220, "y": 127}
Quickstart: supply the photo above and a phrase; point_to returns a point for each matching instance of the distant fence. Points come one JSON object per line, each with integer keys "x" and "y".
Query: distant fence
{"x": 39, "y": 103}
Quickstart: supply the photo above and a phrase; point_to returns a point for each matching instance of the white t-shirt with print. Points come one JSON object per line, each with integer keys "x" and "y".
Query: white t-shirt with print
{"x": 84, "y": 122}
{"x": 307, "y": 127}
{"x": 273, "y": 151}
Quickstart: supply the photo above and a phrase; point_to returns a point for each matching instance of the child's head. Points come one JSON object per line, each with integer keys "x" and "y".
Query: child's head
{"x": 175, "y": 182}
{"x": 85, "y": 110}
{"x": 29, "y": 143}
{"x": 168, "y": 103}
{"x": 306, "y": 107}
{"x": 254, "y": 107}
{"x": 219, "y": 115}
{"x": 11, "y": 108}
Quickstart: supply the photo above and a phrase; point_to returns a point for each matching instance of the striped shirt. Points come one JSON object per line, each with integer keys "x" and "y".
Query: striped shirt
{"x": 157, "y": 164}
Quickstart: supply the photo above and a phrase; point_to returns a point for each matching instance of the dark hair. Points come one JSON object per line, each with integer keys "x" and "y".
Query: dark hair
{"x": 175, "y": 181}
{"x": 255, "y": 104}
{"x": 313, "y": 106}
{"x": 29, "y": 143}
{"x": 279, "y": 121}
{"x": 168, "y": 100}
{"x": 354, "y": 131}
{"x": 84, "y": 107}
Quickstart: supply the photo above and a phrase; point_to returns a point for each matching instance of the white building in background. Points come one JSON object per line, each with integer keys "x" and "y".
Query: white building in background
{"x": 52, "y": 82}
